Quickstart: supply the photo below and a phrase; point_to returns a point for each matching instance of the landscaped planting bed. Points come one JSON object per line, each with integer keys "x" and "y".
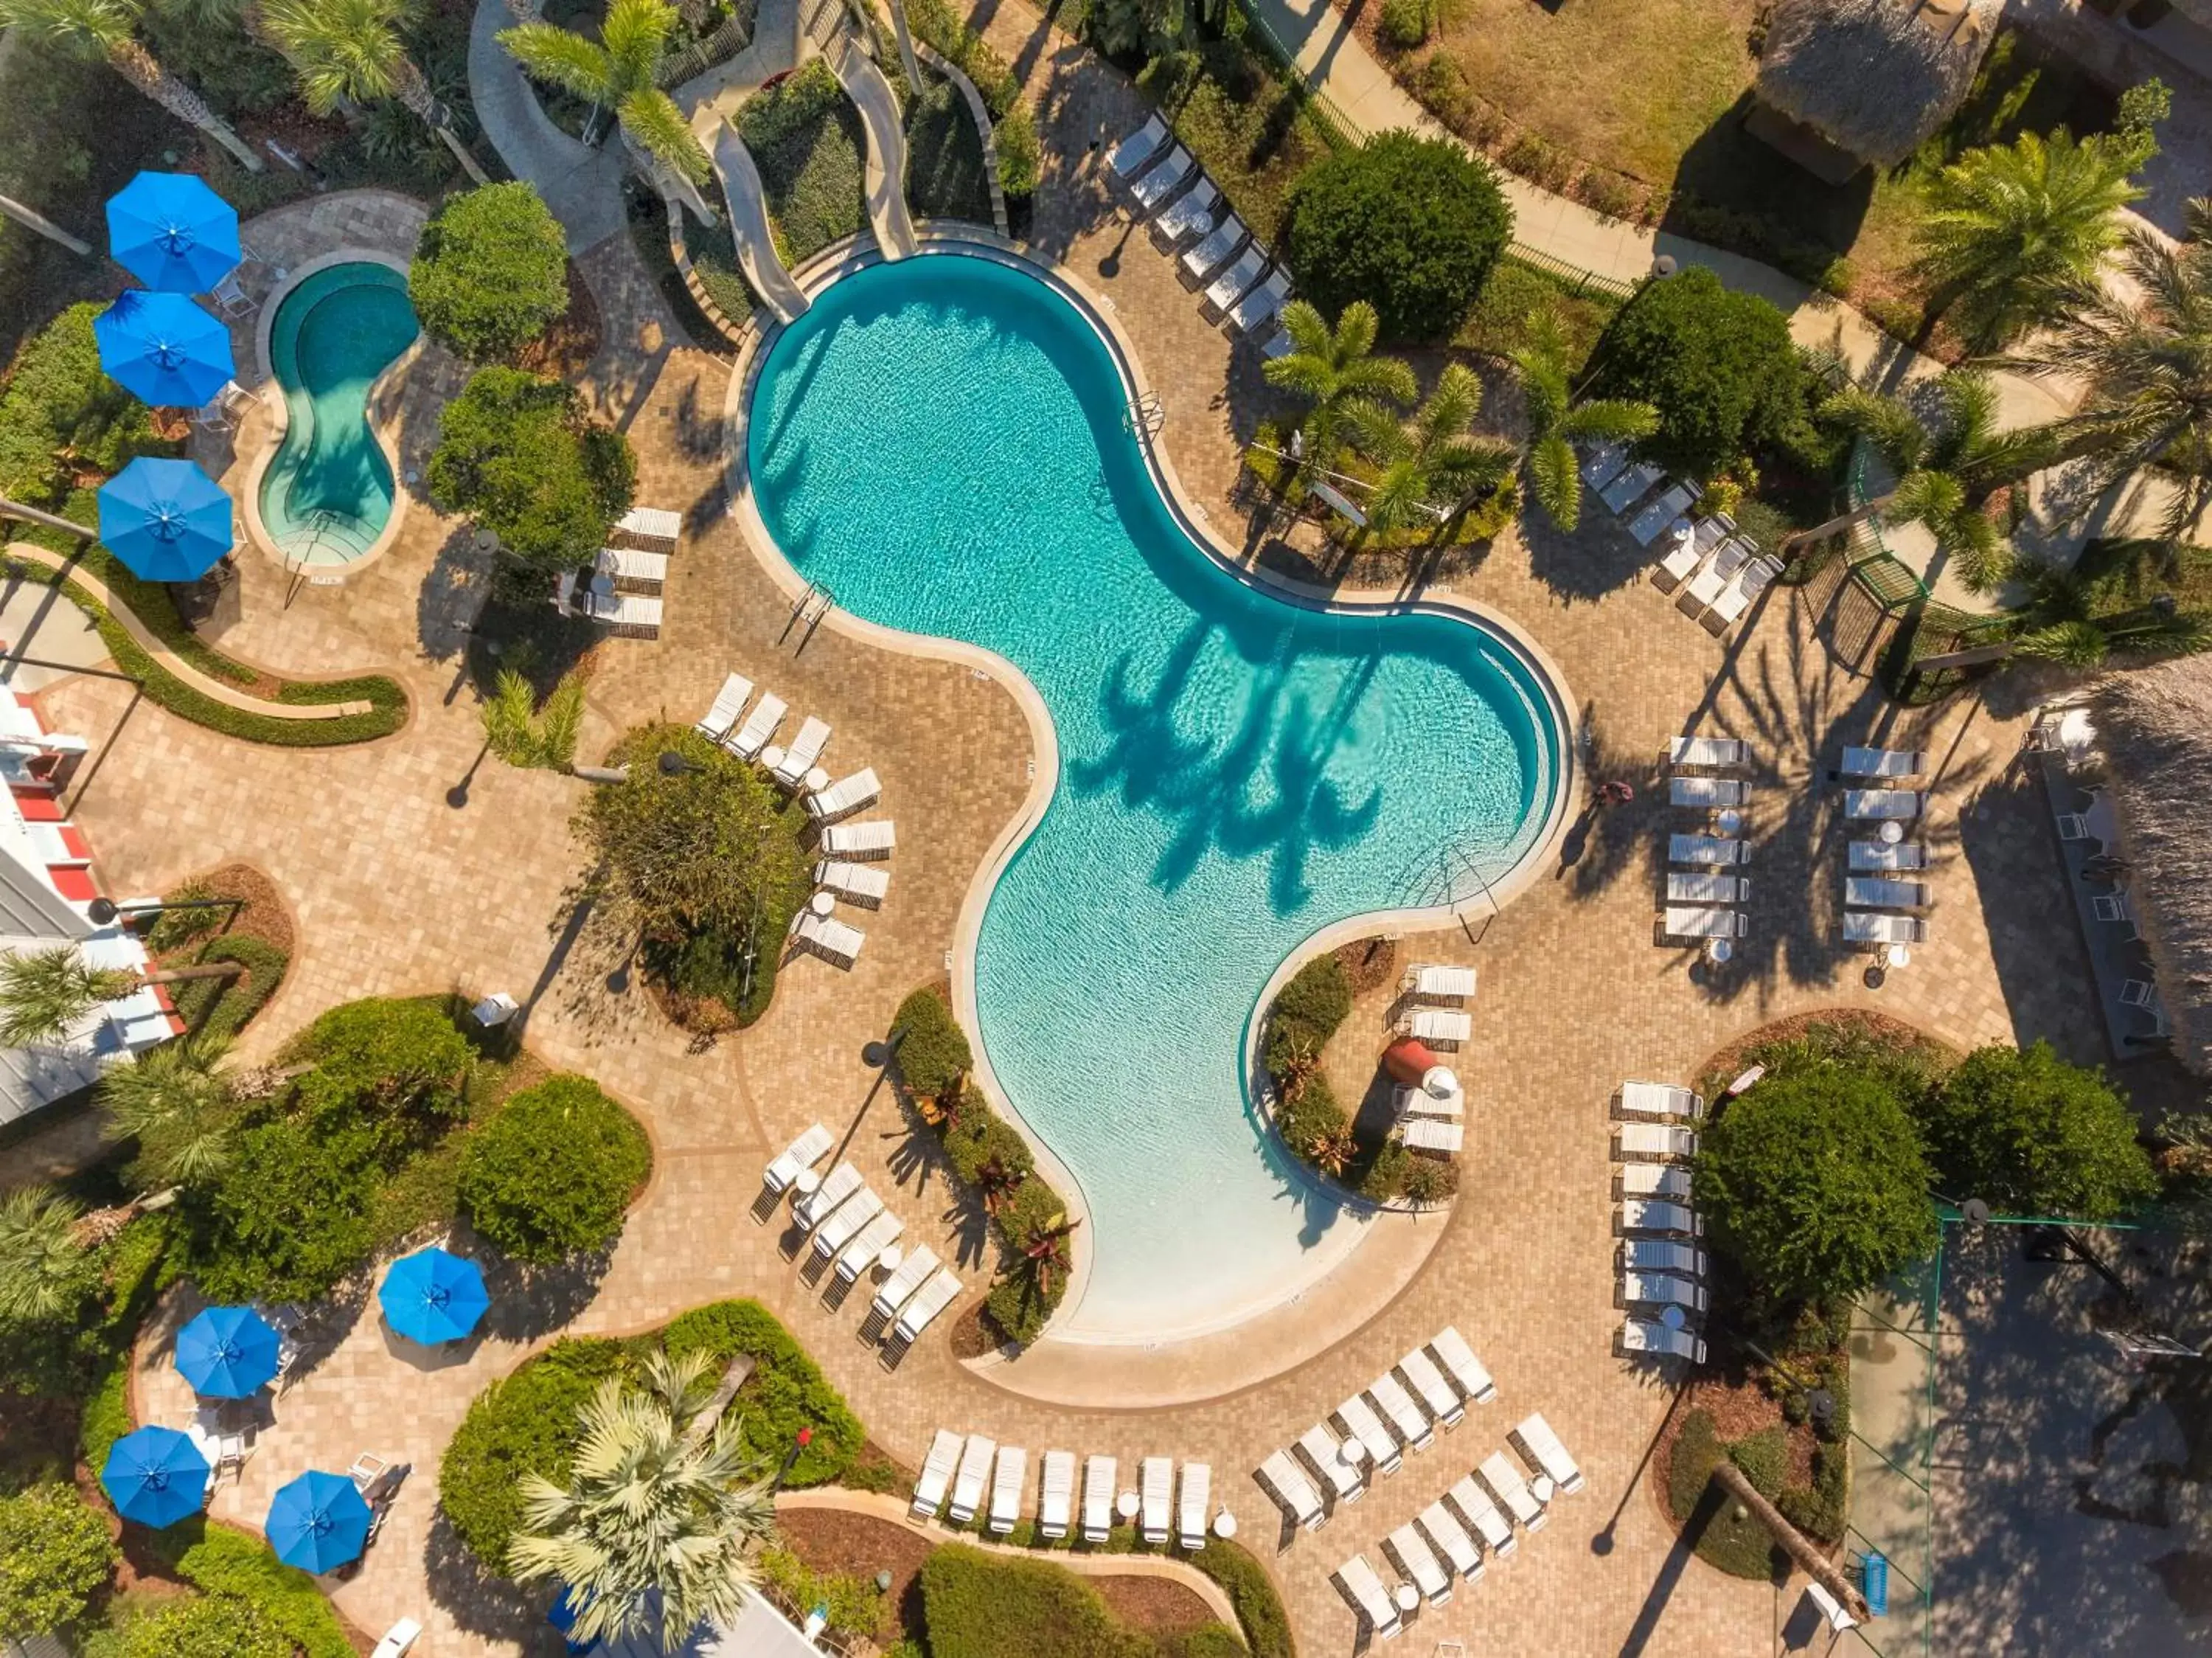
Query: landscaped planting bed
{"x": 944, "y": 173}
{"x": 807, "y": 141}
{"x": 1245, "y": 119}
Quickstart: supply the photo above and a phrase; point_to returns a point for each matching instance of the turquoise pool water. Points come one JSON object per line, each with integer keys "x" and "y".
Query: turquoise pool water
{"x": 941, "y": 442}
{"x": 327, "y": 494}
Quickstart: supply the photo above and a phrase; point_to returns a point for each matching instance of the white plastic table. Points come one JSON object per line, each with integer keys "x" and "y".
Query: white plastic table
{"x": 772, "y": 756}
{"x": 1408, "y": 1597}
{"x": 809, "y": 1182}
{"x": 1900, "y": 956}
{"x": 1225, "y": 1524}
{"x": 1127, "y": 1503}
{"x": 1719, "y": 949}
{"x": 889, "y": 1261}
{"x": 1730, "y": 821}
{"x": 1891, "y": 832}
{"x": 822, "y": 904}
{"x": 1541, "y": 1488}
{"x": 816, "y": 780}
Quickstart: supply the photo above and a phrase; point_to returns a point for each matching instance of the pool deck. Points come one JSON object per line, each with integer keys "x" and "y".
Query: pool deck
{"x": 396, "y": 892}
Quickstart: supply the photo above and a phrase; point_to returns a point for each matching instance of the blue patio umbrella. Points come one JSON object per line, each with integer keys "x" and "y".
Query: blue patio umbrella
{"x": 318, "y": 1522}
{"x": 164, "y": 349}
{"x": 226, "y": 1352}
{"x": 167, "y": 519}
{"x": 172, "y": 233}
{"x": 431, "y": 1296}
{"x": 156, "y": 1475}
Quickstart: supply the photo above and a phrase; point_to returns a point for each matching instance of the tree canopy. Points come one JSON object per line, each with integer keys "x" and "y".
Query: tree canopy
{"x": 518, "y": 456}
{"x": 934, "y": 1053}
{"x": 1413, "y": 226}
{"x": 552, "y": 1173}
{"x": 490, "y": 271}
{"x": 2029, "y": 1134}
{"x": 55, "y": 1554}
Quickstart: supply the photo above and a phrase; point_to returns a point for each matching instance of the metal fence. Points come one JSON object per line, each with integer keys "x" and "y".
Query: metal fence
{"x": 734, "y": 35}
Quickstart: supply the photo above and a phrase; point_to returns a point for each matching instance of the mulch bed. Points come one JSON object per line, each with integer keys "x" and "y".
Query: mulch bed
{"x": 564, "y": 349}
{"x": 1731, "y": 1059}
{"x": 1368, "y": 962}
{"x": 971, "y": 1338}
{"x": 263, "y": 915}
{"x": 1153, "y": 1605}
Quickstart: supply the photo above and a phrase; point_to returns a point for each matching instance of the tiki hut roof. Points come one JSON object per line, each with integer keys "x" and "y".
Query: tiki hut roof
{"x": 2155, "y": 727}
{"x": 1874, "y": 78}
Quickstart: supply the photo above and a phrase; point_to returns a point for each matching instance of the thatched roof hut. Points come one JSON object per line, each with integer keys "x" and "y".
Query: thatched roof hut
{"x": 1845, "y": 82}
{"x": 2155, "y": 728}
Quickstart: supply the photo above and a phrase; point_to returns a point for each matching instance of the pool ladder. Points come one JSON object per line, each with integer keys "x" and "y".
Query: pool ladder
{"x": 807, "y": 612}
{"x": 1144, "y": 415}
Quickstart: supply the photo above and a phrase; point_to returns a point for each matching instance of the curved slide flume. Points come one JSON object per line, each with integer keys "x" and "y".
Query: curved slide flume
{"x": 871, "y": 93}
{"x": 748, "y": 205}
{"x": 944, "y": 442}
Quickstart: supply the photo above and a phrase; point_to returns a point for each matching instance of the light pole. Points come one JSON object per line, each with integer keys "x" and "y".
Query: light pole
{"x": 103, "y": 911}
{"x": 673, "y": 764}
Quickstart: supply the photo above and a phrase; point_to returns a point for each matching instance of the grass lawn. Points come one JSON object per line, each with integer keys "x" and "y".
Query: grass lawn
{"x": 807, "y": 138}
{"x": 945, "y": 174}
{"x": 1234, "y": 110}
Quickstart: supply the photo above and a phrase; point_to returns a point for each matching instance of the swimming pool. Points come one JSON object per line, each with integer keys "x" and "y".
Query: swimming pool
{"x": 327, "y": 494}
{"x": 941, "y": 443}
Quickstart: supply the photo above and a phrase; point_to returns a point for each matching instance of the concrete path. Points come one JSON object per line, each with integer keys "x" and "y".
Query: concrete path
{"x": 705, "y": 98}
{"x": 871, "y": 93}
{"x": 581, "y": 184}
{"x": 748, "y": 231}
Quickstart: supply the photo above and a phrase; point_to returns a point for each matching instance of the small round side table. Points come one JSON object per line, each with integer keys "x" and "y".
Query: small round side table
{"x": 816, "y": 780}
{"x": 1127, "y": 1505}
{"x": 1890, "y": 832}
{"x": 771, "y": 757}
{"x": 822, "y": 904}
{"x": 808, "y": 1183}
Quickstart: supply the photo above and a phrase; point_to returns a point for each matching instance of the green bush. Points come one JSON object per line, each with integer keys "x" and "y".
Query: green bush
{"x": 982, "y": 1137}
{"x": 1247, "y": 120}
{"x": 520, "y": 456}
{"x": 1442, "y": 85}
{"x": 1427, "y": 1181}
{"x": 230, "y": 1565}
{"x": 1385, "y": 1178}
{"x": 107, "y": 1416}
{"x": 174, "y": 928}
{"x": 525, "y": 1424}
{"x": 1206, "y": 1640}
{"x": 1317, "y": 997}
{"x": 942, "y": 27}
{"x": 206, "y": 1626}
{"x": 1310, "y": 1115}
{"x": 805, "y": 137}
{"x": 1021, "y": 157}
{"x": 1404, "y": 23}
{"x": 1413, "y": 225}
{"x": 61, "y": 413}
{"x": 490, "y": 271}
{"x": 980, "y": 1605}
{"x": 222, "y": 1007}
{"x": 1719, "y": 366}
{"x": 55, "y": 1555}
{"x": 1763, "y": 1457}
{"x": 852, "y": 1605}
{"x": 933, "y": 1054}
{"x": 786, "y": 1392}
{"x": 392, "y": 1056}
{"x": 1742, "y": 1547}
{"x": 552, "y": 1173}
{"x": 292, "y": 1215}
{"x": 1252, "y": 1592}
{"x": 2030, "y": 1134}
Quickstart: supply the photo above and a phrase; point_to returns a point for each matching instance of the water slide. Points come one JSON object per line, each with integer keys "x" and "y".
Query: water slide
{"x": 871, "y": 93}
{"x": 756, "y": 254}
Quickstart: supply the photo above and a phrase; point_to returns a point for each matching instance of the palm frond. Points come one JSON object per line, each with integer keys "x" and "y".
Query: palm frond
{"x": 1885, "y": 421}
{"x": 549, "y": 53}
{"x": 1555, "y": 481}
{"x": 634, "y": 33}
{"x": 1307, "y": 327}
{"x": 2074, "y": 644}
{"x": 653, "y": 121}
{"x": 42, "y": 1263}
{"x": 44, "y": 993}
{"x": 1618, "y": 420}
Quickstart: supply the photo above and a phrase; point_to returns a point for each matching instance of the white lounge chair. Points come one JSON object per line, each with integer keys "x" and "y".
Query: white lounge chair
{"x": 1663, "y": 1255}
{"x": 1418, "y": 1561}
{"x": 1459, "y": 1360}
{"x": 632, "y": 570}
{"x": 1875, "y": 893}
{"x": 1668, "y": 1181}
{"x": 1603, "y": 463}
{"x": 1422, "y": 1375}
{"x": 936, "y": 1476}
{"x": 1644, "y": 1336}
{"x": 815, "y": 1206}
{"x": 1686, "y": 551}
{"x": 1157, "y": 183}
{"x": 1706, "y": 586}
{"x": 1883, "y": 763}
{"x": 1426, "y": 1134}
{"x": 868, "y": 1244}
{"x": 1661, "y": 1289}
{"x": 840, "y": 943}
{"x": 1098, "y": 1483}
{"x": 862, "y": 884}
{"x": 1641, "y": 1214}
{"x": 729, "y": 702}
{"x": 1646, "y": 526}
{"x": 1497, "y": 1471}
{"x": 1056, "y": 1498}
{"x": 899, "y": 1288}
{"x": 1367, "y": 1593}
{"x": 801, "y": 1154}
{"x": 1440, "y": 1025}
{"x": 1450, "y": 1536}
{"x": 1706, "y": 848}
{"x": 841, "y": 1227}
{"x": 749, "y": 738}
{"x": 1546, "y": 1454}
{"x": 1262, "y": 305}
{"x": 1391, "y": 1397}
{"x": 1325, "y": 1456}
{"x": 1361, "y": 1423}
{"x": 1189, "y": 215}
{"x": 1277, "y": 344}
{"x": 1707, "y": 792}
{"x": 1478, "y": 1509}
{"x": 1191, "y": 1507}
{"x": 1874, "y": 927}
{"x": 872, "y": 840}
{"x": 2138, "y": 993}
{"x": 627, "y": 615}
{"x": 1880, "y": 855}
{"x": 1006, "y": 1483}
{"x": 1655, "y": 1140}
{"x": 1440, "y": 982}
{"x": 845, "y": 796}
{"x": 654, "y": 528}
{"x": 1897, "y": 804}
{"x": 806, "y": 748}
{"x": 1660, "y": 1099}
{"x": 1212, "y": 251}
{"x": 929, "y": 1301}
{"x": 1706, "y": 886}
{"x": 1225, "y": 290}
{"x": 1708, "y": 751}
{"x": 1694, "y": 921}
{"x": 1629, "y": 487}
{"x": 1290, "y": 1488}
{"x": 968, "y": 1482}
{"x": 1129, "y": 158}
{"x": 1754, "y": 579}
{"x": 1155, "y": 1488}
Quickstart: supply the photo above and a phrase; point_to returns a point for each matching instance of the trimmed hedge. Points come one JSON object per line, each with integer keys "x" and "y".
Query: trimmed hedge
{"x": 1252, "y": 1592}
{"x": 1317, "y": 998}
{"x": 853, "y": 1606}
{"x": 1742, "y": 1548}
{"x": 225, "y": 1562}
{"x": 980, "y": 1605}
{"x": 554, "y": 1172}
{"x": 786, "y": 1392}
{"x": 933, "y": 1054}
{"x": 221, "y": 1007}
{"x": 805, "y": 137}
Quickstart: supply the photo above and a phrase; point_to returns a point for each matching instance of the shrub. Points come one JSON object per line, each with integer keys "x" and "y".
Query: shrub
{"x": 983, "y": 1137}
{"x": 1428, "y": 1181}
{"x": 1412, "y": 225}
{"x": 1765, "y": 1459}
{"x": 291, "y": 1217}
{"x": 1821, "y": 1510}
{"x": 230, "y": 1563}
{"x": 525, "y": 1424}
{"x": 1404, "y": 23}
{"x": 174, "y": 928}
{"x": 520, "y": 457}
{"x": 1813, "y": 1182}
{"x": 1317, "y": 997}
{"x": 1719, "y": 366}
{"x": 2032, "y": 1135}
{"x": 222, "y": 1007}
{"x": 1021, "y": 158}
{"x": 852, "y": 1605}
{"x": 807, "y": 138}
{"x": 55, "y": 1554}
{"x": 61, "y": 413}
{"x": 933, "y": 1054}
{"x": 553, "y": 1172}
{"x": 107, "y": 1416}
{"x": 1312, "y": 1114}
{"x": 786, "y": 1392}
{"x": 394, "y": 1057}
{"x": 207, "y": 1626}
{"x": 1743, "y": 1547}
{"x": 1386, "y": 1176}
{"x": 1252, "y": 1592}
{"x": 490, "y": 271}
{"x": 981, "y": 1606}
{"x": 1442, "y": 85}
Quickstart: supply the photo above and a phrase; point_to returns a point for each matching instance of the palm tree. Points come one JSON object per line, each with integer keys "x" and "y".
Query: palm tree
{"x": 998, "y": 1181}
{"x": 1436, "y": 459}
{"x": 43, "y": 993}
{"x": 32, "y": 219}
{"x": 2148, "y": 364}
{"x": 351, "y": 49}
{"x": 108, "y": 29}
{"x": 2009, "y": 229}
{"x": 663, "y": 1511}
{"x": 177, "y": 1101}
{"x": 1556, "y": 421}
{"x": 43, "y": 1272}
{"x": 520, "y": 734}
{"x": 616, "y": 73}
{"x": 1333, "y": 371}
{"x": 1045, "y": 1252}
{"x": 1333, "y": 1149}
{"x": 2063, "y": 625}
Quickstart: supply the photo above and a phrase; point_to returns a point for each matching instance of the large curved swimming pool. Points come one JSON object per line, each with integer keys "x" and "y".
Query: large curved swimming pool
{"x": 328, "y": 492}
{"x": 942, "y": 443}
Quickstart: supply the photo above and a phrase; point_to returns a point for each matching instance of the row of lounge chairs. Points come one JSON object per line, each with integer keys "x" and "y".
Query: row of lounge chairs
{"x": 1714, "y": 571}
{"x": 624, "y": 592}
{"x": 956, "y": 1474}
{"x": 1877, "y": 883}
{"x": 1441, "y": 1542}
{"x": 1701, "y": 901}
{"x": 1222, "y": 256}
{"x": 1651, "y": 1149}
{"x": 1426, "y": 1121}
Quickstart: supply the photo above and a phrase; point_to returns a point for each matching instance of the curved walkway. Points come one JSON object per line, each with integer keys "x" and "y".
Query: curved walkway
{"x": 749, "y": 230}
{"x": 871, "y": 93}
{"x": 171, "y": 664}
{"x": 581, "y": 184}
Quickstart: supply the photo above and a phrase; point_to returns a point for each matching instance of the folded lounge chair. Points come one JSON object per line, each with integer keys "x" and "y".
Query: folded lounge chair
{"x": 1189, "y": 215}
{"x": 1098, "y": 1483}
{"x": 1664, "y": 1180}
{"x": 1603, "y": 464}
{"x": 1873, "y": 927}
{"x": 1641, "y": 1214}
{"x": 1212, "y": 251}
{"x": 815, "y": 1206}
{"x": 844, "y": 797}
{"x": 936, "y": 1475}
{"x": 1291, "y": 1487}
{"x": 1422, "y": 1375}
{"x": 1874, "y": 893}
{"x": 1644, "y": 1336}
{"x": 1885, "y": 803}
{"x": 1440, "y": 1025}
{"x": 1433, "y": 981}
{"x": 1708, "y": 751}
{"x": 1006, "y": 1483}
{"x": 801, "y": 1154}
{"x": 1707, "y": 792}
{"x": 899, "y": 1288}
{"x": 1480, "y": 1511}
{"x": 1426, "y": 1134}
{"x": 1543, "y": 1449}
{"x": 1225, "y": 290}
{"x": 1703, "y": 587}
{"x": 1647, "y": 525}
{"x": 1629, "y": 486}
{"x": 1262, "y": 305}
{"x": 1883, "y": 763}
{"x": 1450, "y": 1537}
{"x": 1129, "y": 158}
{"x": 1754, "y": 579}
{"x": 870, "y": 1242}
{"x": 929, "y": 1301}
{"x": 1660, "y": 1099}
{"x": 729, "y": 702}
{"x": 1056, "y": 1499}
{"x": 871, "y": 839}
{"x": 1654, "y": 1140}
{"x": 1706, "y": 886}
{"x": 1367, "y": 1593}
{"x": 1663, "y": 1255}
{"x": 749, "y": 738}
{"x": 1156, "y": 183}
{"x": 833, "y": 939}
{"x": 968, "y": 1483}
{"x": 856, "y": 883}
{"x": 1325, "y": 1456}
{"x": 841, "y": 1227}
{"x": 1706, "y": 848}
{"x": 1391, "y": 1397}
{"x": 806, "y": 748}
{"x": 1155, "y": 1486}
{"x": 1511, "y": 1491}
{"x": 1697, "y": 921}
{"x": 1880, "y": 855}
{"x": 1361, "y": 1424}
{"x": 1191, "y": 1516}
{"x": 1414, "y": 1558}
{"x": 1458, "y": 1358}
{"x": 1661, "y": 1289}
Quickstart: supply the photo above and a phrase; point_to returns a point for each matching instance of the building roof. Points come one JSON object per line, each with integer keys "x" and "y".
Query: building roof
{"x": 2155, "y": 727}
{"x": 1874, "y": 78}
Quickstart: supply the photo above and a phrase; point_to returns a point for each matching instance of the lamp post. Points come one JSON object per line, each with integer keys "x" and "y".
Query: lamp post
{"x": 673, "y": 764}
{"x": 103, "y": 911}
